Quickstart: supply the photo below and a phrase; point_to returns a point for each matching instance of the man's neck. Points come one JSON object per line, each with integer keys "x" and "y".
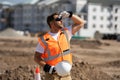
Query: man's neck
{"x": 54, "y": 31}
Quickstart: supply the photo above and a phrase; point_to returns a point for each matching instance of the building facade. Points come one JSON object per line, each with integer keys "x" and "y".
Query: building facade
{"x": 102, "y": 16}
{"x": 32, "y": 18}
{"x": 5, "y": 16}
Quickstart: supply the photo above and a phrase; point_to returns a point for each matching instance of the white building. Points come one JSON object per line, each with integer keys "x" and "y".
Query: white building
{"x": 103, "y": 16}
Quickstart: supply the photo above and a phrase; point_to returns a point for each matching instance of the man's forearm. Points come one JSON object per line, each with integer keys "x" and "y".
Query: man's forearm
{"x": 40, "y": 62}
{"x": 38, "y": 59}
{"x": 77, "y": 20}
{"x": 77, "y": 23}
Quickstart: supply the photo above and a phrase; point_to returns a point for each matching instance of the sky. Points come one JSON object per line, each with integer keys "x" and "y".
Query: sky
{"x": 17, "y": 1}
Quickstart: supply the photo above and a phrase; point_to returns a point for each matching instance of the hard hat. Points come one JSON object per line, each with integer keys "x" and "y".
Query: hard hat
{"x": 63, "y": 68}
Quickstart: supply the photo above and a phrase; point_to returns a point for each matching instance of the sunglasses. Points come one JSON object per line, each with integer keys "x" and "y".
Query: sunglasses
{"x": 58, "y": 19}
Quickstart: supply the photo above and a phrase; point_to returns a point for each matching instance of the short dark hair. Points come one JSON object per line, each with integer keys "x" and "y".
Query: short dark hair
{"x": 51, "y": 18}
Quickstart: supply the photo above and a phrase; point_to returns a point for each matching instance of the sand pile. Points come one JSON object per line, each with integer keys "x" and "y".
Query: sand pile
{"x": 9, "y": 32}
{"x": 80, "y": 71}
{"x": 20, "y": 73}
{"x": 17, "y": 62}
{"x": 84, "y": 71}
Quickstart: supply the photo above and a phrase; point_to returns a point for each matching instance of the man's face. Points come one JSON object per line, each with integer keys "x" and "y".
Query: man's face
{"x": 58, "y": 24}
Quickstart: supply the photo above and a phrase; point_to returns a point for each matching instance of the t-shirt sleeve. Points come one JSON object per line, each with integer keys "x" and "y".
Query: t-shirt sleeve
{"x": 39, "y": 49}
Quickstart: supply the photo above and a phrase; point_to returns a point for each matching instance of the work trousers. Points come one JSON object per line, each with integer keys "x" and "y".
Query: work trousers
{"x": 57, "y": 77}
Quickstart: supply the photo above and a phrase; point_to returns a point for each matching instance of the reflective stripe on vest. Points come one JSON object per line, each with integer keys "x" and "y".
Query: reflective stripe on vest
{"x": 66, "y": 36}
{"x": 57, "y": 55}
{"x": 43, "y": 40}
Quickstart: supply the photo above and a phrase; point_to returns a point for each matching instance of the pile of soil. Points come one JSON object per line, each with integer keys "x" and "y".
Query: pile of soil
{"x": 17, "y": 62}
{"x": 84, "y": 71}
{"x": 9, "y": 32}
{"x": 20, "y": 73}
{"x": 80, "y": 71}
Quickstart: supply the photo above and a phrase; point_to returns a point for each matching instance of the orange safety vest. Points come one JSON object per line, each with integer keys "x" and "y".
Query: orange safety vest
{"x": 55, "y": 51}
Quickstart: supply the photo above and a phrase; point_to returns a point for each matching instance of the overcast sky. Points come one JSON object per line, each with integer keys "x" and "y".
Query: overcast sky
{"x": 17, "y": 1}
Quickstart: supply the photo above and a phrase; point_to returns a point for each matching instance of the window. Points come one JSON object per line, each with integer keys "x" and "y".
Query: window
{"x": 116, "y": 18}
{"x": 102, "y": 9}
{"x": 116, "y": 10}
{"x": 94, "y": 9}
{"x": 85, "y": 17}
{"x": 115, "y": 26}
{"x": 101, "y": 26}
{"x": 102, "y": 17}
{"x": 109, "y": 26}
{"x": 94, "y": 17}
{"x": 110, "y": 8}
{"x": 110, "y": 17}
{"x": 94, "y": 25}
{"x": 85, "y": 26}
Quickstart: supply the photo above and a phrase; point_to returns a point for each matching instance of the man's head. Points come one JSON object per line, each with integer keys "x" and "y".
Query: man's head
{"x": 54, "y": 22}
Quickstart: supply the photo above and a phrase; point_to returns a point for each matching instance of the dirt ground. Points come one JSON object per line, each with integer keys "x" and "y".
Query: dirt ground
{"x": 93, "y": 60}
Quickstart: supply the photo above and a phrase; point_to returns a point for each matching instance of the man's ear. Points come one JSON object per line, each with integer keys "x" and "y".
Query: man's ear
{"x": 51, "y": 23}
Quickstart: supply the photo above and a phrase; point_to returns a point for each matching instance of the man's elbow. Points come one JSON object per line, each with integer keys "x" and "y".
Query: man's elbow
{"x": 36, "y": 56}
{"x": 83, "y": 23}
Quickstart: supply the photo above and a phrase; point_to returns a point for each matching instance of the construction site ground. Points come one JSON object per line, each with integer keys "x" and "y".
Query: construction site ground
{"x": 92, "y": 60}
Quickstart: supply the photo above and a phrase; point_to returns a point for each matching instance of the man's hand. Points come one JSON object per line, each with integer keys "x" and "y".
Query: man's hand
{"x": 66, "y": 14}
{"x": 48, "y": 68}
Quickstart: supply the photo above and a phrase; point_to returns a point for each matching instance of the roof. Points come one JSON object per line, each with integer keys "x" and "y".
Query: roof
{"x": 6, "y": 3}
{"x": 14, "y": 2}
{"x": 107, "y": 2}
{"x": 47, "y": 2}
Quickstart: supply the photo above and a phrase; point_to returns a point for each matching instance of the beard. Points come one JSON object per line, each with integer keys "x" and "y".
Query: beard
{"x": 59, "y": 26}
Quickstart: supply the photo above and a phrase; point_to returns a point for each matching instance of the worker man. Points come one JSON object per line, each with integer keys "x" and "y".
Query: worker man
{"x": 54, "y": 48}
